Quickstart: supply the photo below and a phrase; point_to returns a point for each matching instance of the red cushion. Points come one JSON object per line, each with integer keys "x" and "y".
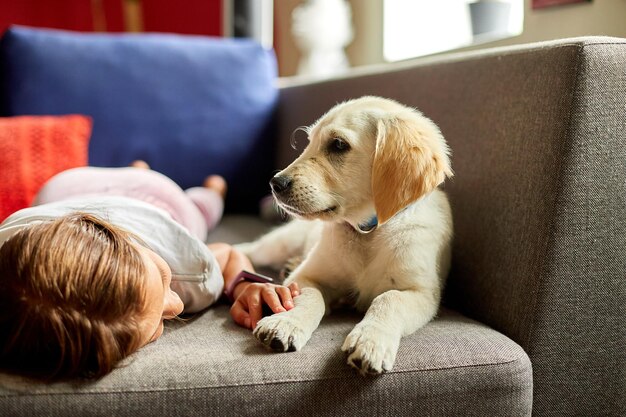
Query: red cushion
{"x": 33, "y": 149}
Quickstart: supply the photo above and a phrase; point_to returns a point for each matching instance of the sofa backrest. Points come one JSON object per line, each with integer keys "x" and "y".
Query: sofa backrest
{"x": 538, "y": 139}
{"x": 188, "y": 105}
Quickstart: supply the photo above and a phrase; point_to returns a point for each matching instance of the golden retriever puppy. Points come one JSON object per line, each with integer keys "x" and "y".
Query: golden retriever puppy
{"x": 374, "y": 229}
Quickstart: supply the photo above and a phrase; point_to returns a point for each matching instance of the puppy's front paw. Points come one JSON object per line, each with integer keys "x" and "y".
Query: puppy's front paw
{"x": 371, "y": 350}
{"x": 281, "y": 332}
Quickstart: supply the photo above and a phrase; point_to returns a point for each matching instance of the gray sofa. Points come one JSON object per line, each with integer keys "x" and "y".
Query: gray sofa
{"x": 534, "y": 320}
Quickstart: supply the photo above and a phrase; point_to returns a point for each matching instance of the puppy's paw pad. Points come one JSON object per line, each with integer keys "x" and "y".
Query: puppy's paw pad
{"x": 281, "y": 333}
{"x": 370, "y": 350}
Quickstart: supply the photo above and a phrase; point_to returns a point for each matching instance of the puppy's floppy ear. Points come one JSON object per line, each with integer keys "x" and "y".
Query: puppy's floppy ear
{"x": 411, "y": 160}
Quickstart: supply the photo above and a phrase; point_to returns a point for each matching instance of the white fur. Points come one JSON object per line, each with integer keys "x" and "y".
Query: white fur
{"x": 394, "y": 274}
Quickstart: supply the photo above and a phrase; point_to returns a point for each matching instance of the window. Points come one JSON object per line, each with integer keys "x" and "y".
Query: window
{"x": 422, "y": 27}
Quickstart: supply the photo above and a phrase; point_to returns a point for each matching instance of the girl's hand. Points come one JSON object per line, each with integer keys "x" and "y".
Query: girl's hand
{"x": 247, "y": 309}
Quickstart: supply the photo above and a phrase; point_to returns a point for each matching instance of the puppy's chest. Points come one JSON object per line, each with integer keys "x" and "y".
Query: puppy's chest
{"x": 352, "y": 250}
{"x": 362, "y": 262}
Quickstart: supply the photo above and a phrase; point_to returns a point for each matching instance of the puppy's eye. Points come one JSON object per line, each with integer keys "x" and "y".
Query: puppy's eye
{"x": 338, "y": 145}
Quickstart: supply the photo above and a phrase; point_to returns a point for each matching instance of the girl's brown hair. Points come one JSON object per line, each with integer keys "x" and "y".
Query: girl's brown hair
{"x": 71, "y": 291}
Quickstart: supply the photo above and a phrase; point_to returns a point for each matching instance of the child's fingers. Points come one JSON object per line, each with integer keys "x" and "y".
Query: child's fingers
{"x": 240, "y": 315}
{"x": 285, "y": 297}
{"x": 255, "y": 309}
{"x": 271, "y": 299}
{"x": 295, "y": 289}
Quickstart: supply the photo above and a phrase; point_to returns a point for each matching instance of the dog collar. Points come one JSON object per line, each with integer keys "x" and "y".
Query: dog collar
{"x": 367, "y": 226}
{"x": 371, "y": 224}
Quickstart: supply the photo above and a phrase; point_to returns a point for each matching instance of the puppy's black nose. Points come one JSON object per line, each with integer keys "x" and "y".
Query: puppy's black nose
{"x": 280, "y": 184}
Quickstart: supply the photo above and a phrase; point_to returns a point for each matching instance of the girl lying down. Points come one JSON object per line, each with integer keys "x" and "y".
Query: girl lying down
{"x": 91, "y": 271}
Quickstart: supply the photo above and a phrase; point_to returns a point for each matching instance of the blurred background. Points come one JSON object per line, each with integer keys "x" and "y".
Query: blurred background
{"x": 326, "y": 37}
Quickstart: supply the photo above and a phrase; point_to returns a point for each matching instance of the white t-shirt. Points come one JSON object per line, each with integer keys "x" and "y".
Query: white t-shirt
{"x": 196, "y": 275}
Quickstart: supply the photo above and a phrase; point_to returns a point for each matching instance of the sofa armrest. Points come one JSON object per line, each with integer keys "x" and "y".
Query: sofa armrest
{"x": 538, "y": 135}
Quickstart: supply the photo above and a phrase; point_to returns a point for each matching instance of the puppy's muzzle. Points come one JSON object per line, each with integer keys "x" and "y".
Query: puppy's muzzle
{"x": 281, "y": 184}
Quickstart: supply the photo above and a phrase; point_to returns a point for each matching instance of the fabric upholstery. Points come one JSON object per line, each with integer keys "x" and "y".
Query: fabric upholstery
{"x": 237, "y": 229}
{"x": 582, "y": 293}
{"x": 190, "y": 106}
{"x": 209, "y": 366}
{"x": 539, "y": 199}
{"x": 35, "y": 148}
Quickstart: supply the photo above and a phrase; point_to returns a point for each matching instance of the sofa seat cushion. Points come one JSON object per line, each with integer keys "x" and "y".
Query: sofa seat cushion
{"x": 210, "y": 366}
{"x": 234, "y": 228}
{"x": 188, "y": 105}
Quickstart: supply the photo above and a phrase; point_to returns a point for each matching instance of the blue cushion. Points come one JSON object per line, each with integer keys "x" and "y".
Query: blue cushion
{"x": 188, "y": 105}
